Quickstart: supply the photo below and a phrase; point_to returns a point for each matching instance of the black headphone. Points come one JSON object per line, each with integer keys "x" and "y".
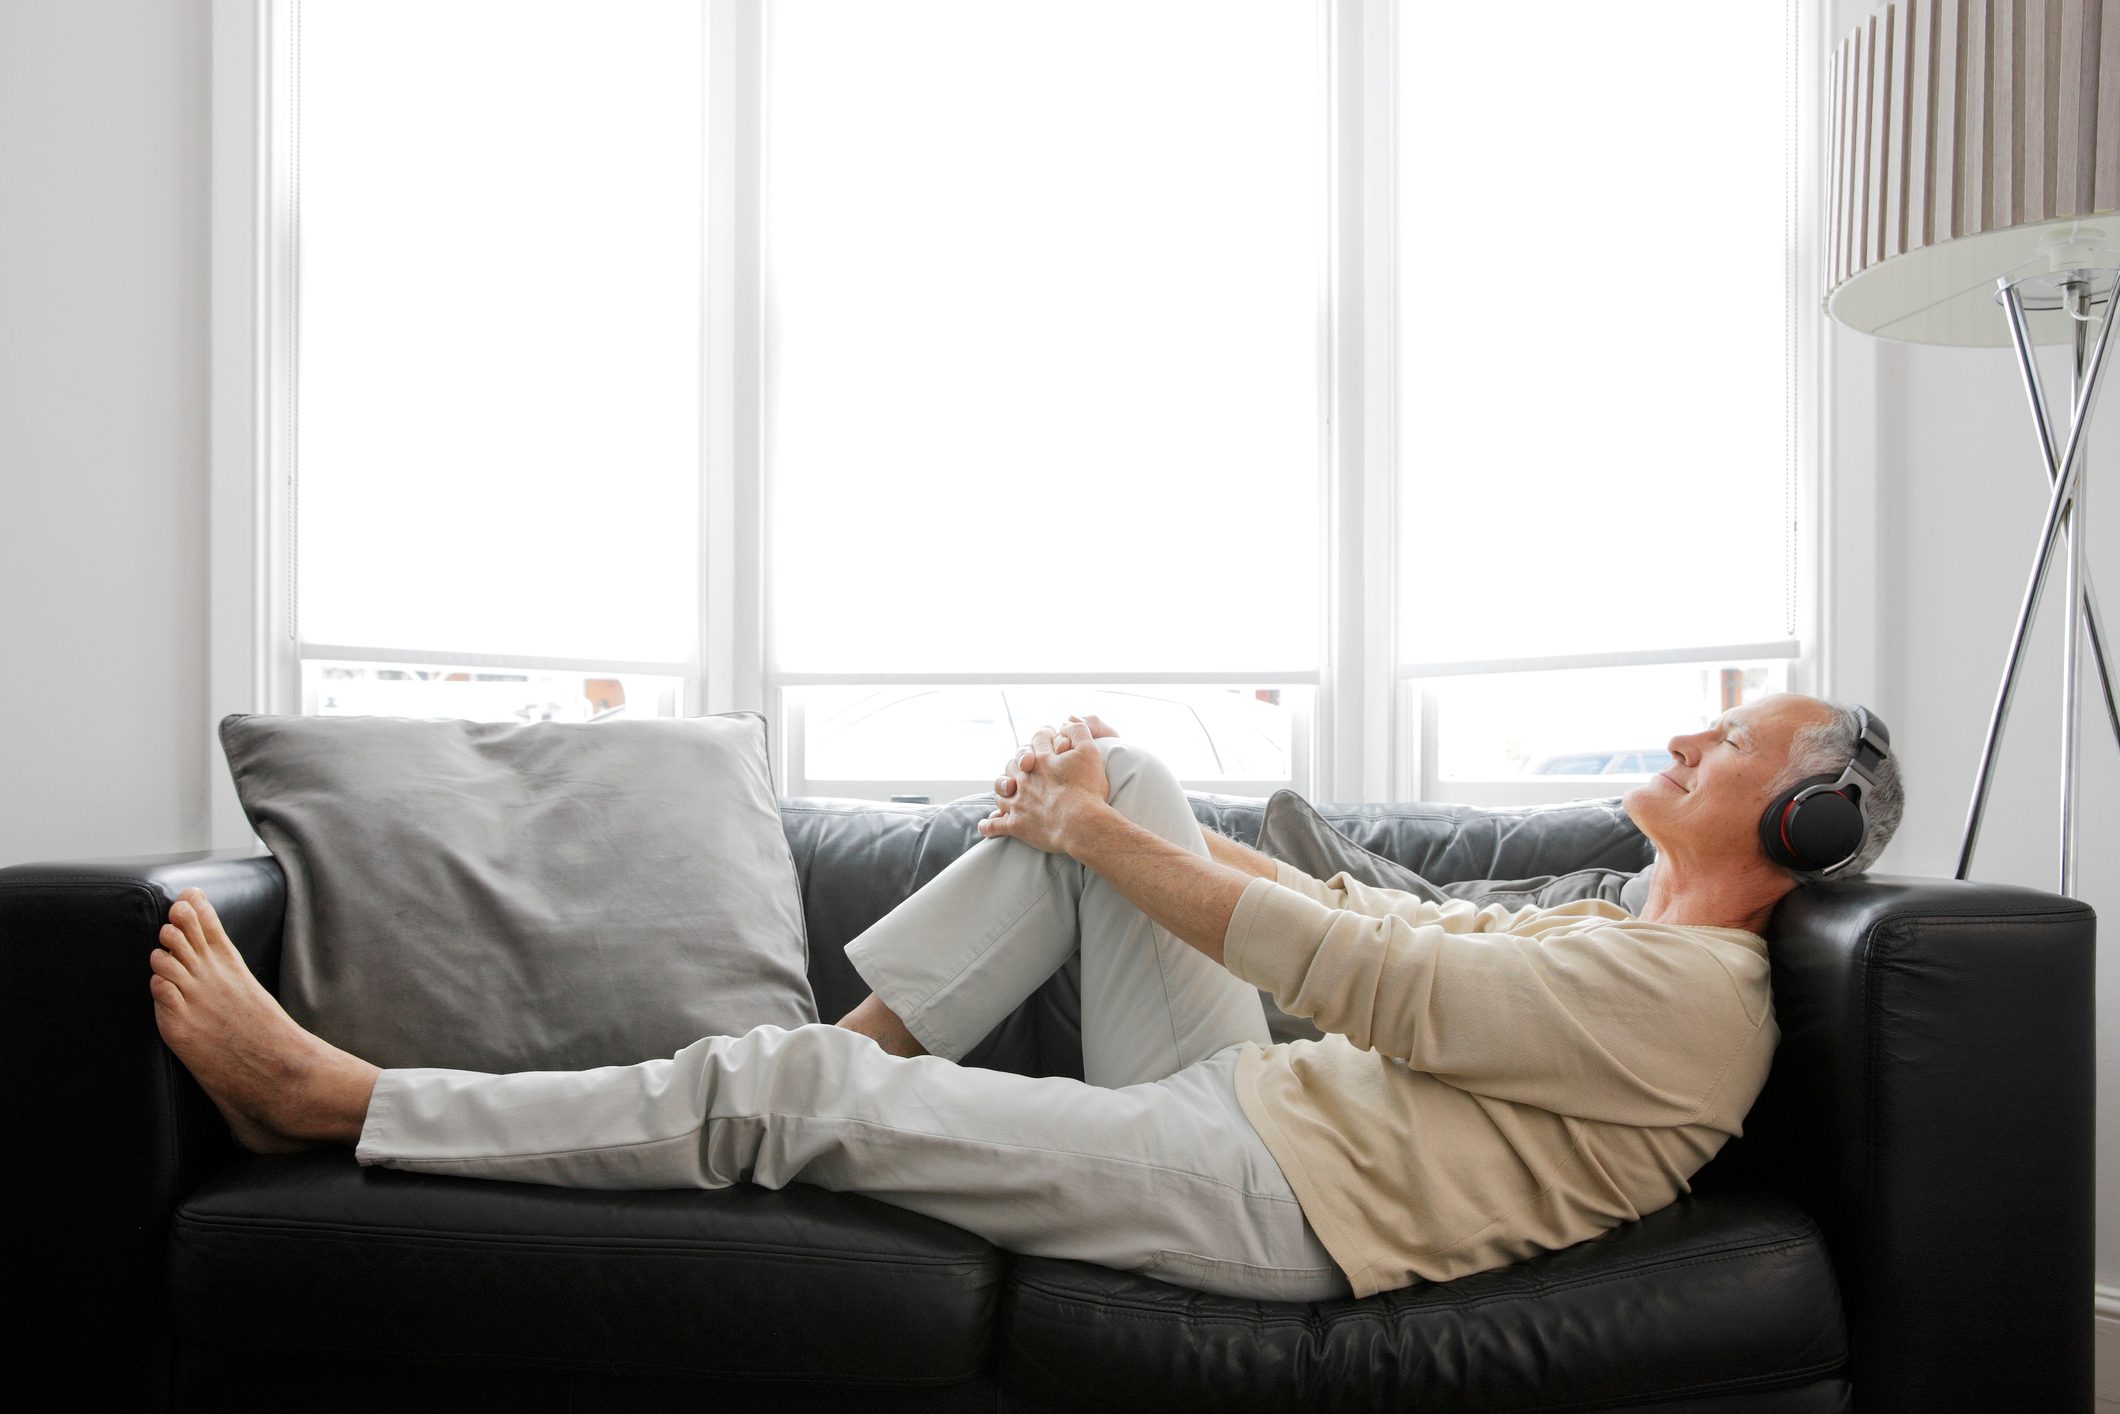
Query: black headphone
{"x": 1818, "y": 825}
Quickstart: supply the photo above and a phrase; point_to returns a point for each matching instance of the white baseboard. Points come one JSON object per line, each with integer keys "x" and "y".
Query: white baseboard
{"x": 2105, "y": 1342}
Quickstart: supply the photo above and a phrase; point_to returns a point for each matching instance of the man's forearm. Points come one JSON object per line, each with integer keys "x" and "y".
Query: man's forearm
{"x": 1238, "y": 855}
{"x": 1192, "y": 897}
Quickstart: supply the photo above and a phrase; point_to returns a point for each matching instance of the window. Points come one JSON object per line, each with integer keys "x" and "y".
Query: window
{"x": 1044, "y": 289}
{"x": 919, "y": 373}
{"x": 496, "y": 383}
{"x": 1502, "y": 726}
{"x": 1598, "y": 435}
{"x": 930, "y": 741}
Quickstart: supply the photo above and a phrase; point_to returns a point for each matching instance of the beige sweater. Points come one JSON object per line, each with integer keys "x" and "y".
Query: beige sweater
{"x": 1494, "y": 1083}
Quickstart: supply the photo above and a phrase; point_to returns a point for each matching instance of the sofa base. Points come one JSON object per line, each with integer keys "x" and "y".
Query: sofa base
{"x": 210, "y": 1380}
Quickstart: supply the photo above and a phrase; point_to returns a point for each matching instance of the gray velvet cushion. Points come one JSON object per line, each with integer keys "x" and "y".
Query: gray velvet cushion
{"x": 498, "y": 897}
{"x": 1293, "y": 831}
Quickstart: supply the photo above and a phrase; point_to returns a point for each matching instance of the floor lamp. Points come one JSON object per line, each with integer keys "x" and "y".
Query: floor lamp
{"x": 1974, "y": 162}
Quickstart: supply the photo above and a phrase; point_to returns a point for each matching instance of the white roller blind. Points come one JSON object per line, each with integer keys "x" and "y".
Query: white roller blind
{"x": 1045, "y": 291}
{"x": 499, "y": 231}
{"x": 1594, "y": 434}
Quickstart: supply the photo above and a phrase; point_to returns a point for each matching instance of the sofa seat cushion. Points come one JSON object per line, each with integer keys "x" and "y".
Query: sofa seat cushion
{"x": 312, "y": 1254}
{"x": 1717, "y": 1295}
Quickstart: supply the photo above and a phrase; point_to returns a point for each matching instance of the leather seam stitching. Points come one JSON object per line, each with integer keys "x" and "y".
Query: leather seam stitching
{"x": 512, "y": 1360}
{"x": 1108, "y": 1306}
{"x": 298, "y": 1230}
{"x": 1779, "y": 1380}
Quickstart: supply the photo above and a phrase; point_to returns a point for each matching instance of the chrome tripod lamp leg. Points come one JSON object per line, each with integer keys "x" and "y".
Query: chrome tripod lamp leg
{"x": 2035, "y": 395}
{"x": 2065, "y": 471}
{"x": 2074, "y": 581}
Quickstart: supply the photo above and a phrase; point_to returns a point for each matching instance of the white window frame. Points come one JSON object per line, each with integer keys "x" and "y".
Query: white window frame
{"x": 1310, "y": 733}
{"x": 251, "y": 665}
{"x": 1363, "y": 739}
{"x": 1807, "y": 655}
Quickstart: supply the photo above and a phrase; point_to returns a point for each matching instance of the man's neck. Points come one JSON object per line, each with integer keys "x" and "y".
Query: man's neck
{"x": 1718, "y": 900}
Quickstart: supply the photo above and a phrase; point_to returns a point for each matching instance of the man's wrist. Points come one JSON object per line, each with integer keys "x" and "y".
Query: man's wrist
{"x": 1088, "y": 827}
{"x": 1238, "y": 855}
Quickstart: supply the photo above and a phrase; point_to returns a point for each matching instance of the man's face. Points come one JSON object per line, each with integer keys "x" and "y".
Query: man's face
{"x": 1706, "y": 805}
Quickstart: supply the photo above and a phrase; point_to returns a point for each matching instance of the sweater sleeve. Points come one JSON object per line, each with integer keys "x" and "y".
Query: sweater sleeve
{"x": 1290, "y": 877}
{"x": 1555, "y": 1008}
{"x": 1343, "y": 890}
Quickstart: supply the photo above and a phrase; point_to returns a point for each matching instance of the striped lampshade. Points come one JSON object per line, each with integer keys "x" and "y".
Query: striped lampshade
{"x": 1970, "y": 140}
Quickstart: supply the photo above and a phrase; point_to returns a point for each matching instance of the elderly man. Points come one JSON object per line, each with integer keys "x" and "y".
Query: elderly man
{"x": 1492, "y": 1083}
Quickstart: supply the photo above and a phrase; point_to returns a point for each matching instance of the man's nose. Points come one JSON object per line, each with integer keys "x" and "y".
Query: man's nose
{"x": 1685, "y": 748}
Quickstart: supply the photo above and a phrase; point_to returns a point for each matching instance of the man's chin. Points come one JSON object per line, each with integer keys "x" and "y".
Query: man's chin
{"x": 1634, "y": 801}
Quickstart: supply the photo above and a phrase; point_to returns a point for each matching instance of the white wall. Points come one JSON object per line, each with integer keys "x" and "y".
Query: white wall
{"x": 1942, "y": 474}
{"x": 103, "y": 260}
{"x": 1960, "y": 502}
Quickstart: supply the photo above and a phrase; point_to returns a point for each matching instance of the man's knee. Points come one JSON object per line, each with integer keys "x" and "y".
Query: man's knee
{"x": 1140, "y": 783}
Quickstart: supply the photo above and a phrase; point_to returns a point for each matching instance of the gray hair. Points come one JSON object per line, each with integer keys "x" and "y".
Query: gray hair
{"x": 1825, "y": 749}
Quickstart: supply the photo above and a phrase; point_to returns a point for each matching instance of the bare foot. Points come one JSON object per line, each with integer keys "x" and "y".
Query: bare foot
{"x": 279, "y": 1087}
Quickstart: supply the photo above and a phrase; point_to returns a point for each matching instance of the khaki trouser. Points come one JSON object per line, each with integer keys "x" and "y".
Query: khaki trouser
{"x": 1150, "y": 1166}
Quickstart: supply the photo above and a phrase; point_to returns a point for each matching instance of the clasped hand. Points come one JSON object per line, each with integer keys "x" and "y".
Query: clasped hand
{"x": 1048, "y": 783}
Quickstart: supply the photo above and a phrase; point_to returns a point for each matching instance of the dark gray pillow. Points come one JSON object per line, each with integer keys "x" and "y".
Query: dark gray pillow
{"x": 497, "y": 897}
{"x": 1293, "y": 831}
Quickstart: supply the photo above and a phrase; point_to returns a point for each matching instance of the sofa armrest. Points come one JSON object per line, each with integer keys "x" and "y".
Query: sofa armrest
{"x": 107, "y": 1130}
{"x": 1931, "y": 1106}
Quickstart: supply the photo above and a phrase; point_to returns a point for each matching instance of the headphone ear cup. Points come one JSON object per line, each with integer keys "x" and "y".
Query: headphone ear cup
{"x": 1816, "y": 833}
{"x": 1770, "y": 828}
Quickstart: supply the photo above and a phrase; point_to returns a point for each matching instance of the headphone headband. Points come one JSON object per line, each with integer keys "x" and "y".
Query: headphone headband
{"x": 1872, "y": 744}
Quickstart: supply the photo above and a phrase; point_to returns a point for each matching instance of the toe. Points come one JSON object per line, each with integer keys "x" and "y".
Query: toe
{"x": 187, "y": 918}
{"x": 174, "y": 939}
{"x": 209, "y": 919}
{"x": 167, "y": 966}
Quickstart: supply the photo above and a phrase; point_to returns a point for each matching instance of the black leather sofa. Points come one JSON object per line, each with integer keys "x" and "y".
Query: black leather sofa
{"x": 1906, "y": 1223}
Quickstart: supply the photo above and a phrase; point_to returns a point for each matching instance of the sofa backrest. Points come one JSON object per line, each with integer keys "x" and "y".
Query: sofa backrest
{"x": 857, "y": 859}
{"x": 1448, "y": 844}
